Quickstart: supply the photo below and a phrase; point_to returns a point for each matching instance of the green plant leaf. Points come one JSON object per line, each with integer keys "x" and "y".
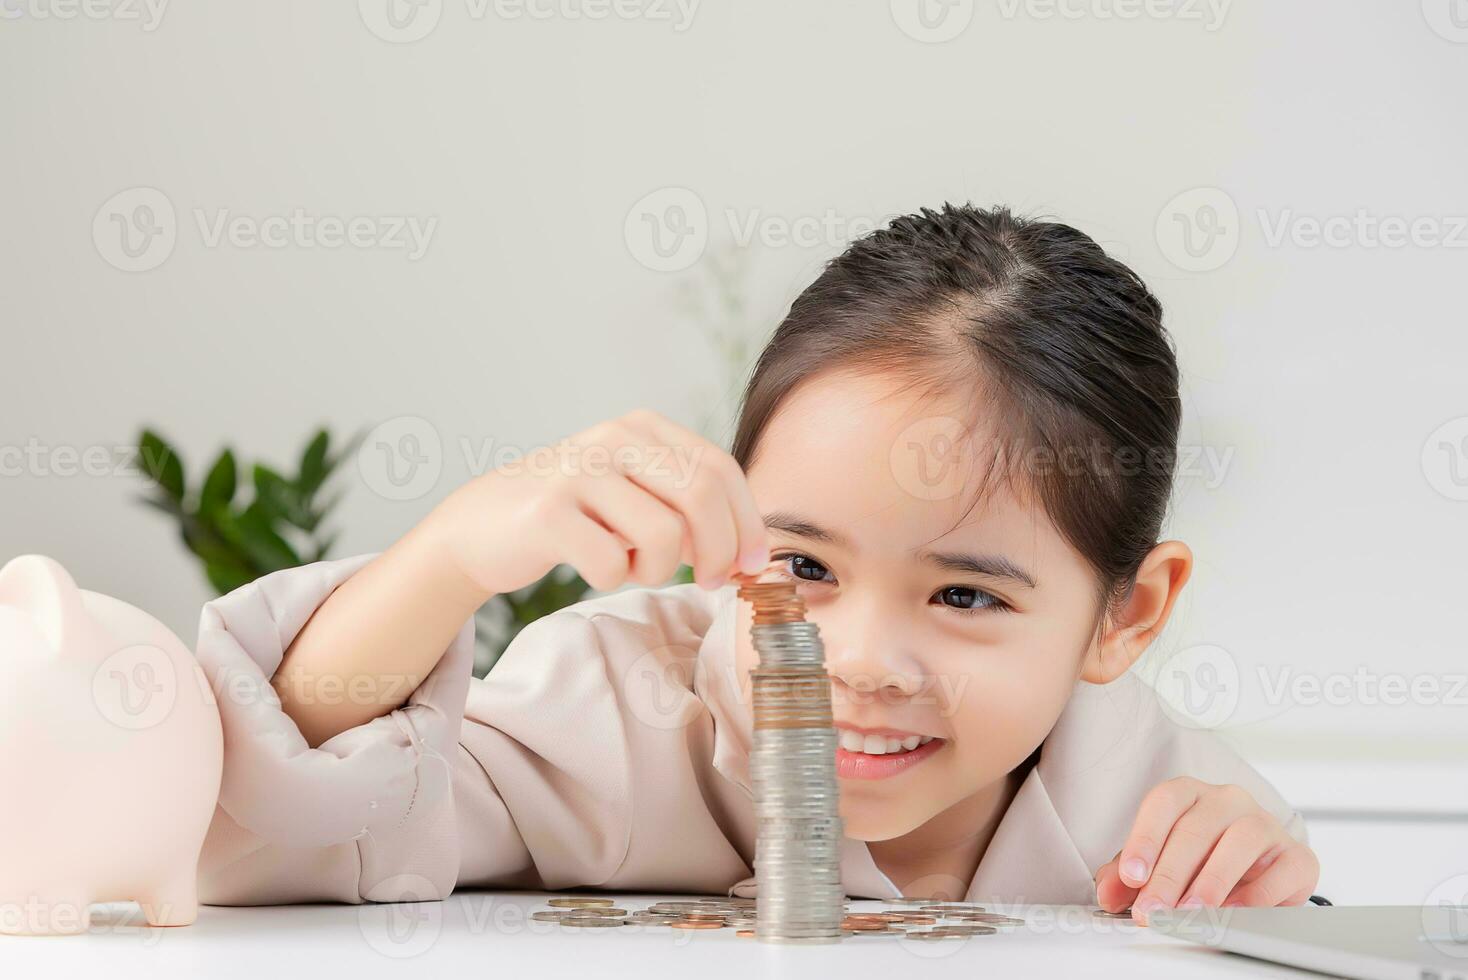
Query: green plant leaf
{"x": 279, "y": 498}
{"x": 205, "y": 538}
{"x": 313, "y": 470}
{"x": 554, "y": 591}
{"x": 684, "y": 574}
{"x": 227, "y": 578}
{"x": 162, "y": 464}
{"x": 251, "y": 533}
{"x": 164, "y": 503}
{"x": 238, "y": 546}
{"x": 219, "y": 485}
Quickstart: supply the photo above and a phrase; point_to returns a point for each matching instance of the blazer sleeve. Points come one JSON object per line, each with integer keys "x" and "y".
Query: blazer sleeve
{"x": 366, "y": 816}
{"x": 582, "y": 760}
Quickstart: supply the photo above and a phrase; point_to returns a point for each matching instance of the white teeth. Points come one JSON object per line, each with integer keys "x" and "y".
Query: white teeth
{"x": 878, "y": 744}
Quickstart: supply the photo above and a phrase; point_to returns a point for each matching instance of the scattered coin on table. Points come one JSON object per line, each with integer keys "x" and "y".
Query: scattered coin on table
{"x": 1103, "y": 914}
{"x": 932, "y": 921}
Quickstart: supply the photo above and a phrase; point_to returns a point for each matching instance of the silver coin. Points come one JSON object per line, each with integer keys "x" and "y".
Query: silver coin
{"x": 1103, "y": 914}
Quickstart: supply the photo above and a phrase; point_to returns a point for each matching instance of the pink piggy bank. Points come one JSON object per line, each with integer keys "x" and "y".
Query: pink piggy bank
{"x": 110, "y": 756}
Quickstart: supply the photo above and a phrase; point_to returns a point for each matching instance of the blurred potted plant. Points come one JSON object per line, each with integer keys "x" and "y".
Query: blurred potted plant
{"x": 279, "y": 525}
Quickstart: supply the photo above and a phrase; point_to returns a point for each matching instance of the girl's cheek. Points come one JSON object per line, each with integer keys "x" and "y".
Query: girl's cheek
{"x": 1005, "y": 709}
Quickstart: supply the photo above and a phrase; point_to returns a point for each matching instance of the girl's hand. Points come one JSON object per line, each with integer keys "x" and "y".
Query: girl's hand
{"x": 630, "y": 498}
{"x": 1197, "y": 844}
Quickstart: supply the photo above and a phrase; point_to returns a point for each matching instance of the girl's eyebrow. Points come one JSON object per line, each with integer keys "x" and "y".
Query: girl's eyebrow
{"x": 791, "y": 524}
{"x": 990, "y": 566}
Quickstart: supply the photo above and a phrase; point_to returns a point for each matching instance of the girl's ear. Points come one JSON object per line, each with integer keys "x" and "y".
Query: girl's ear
{"x": 1160, "y": 579}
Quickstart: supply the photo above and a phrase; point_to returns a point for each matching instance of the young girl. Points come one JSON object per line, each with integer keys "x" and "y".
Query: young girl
{"x": 959, "y": 443}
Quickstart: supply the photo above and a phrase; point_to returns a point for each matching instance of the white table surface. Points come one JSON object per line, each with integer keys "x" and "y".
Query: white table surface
{"x": 490, "y": 934}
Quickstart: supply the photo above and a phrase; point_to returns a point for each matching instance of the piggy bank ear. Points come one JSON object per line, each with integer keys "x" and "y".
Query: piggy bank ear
{"x": 39, "y": 588}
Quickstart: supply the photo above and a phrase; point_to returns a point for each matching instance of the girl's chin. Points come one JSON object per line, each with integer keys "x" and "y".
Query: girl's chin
{"x": 877, "y": 820}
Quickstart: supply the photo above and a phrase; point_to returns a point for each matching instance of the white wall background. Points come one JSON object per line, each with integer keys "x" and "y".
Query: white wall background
{"x": 1332, "y": 542}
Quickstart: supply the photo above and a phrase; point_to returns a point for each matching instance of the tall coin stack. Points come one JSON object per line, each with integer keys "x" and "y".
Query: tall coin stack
{"x": 793, "y": 768}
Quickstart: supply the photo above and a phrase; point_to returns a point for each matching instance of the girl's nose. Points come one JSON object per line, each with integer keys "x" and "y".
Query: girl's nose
{"x": 866, "y": 652}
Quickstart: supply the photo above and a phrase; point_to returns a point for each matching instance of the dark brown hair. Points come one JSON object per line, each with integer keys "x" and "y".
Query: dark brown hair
{"x": 1059, "y": 345}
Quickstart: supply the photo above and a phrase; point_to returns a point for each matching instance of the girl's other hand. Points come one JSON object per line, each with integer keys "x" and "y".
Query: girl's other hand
{"x": 1196, "y": 844}
{"x": 629, "y": 498}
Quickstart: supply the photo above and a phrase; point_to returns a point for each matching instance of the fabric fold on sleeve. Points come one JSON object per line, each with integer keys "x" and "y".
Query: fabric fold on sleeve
{"x": 385, "y": 785}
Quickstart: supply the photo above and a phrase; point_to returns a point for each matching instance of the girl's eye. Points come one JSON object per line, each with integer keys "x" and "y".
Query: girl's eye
{"x": 804, "y": 568}
{"x": 969, "y": 600}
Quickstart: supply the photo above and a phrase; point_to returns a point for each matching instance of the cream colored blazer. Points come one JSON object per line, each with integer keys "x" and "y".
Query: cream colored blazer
{"x": 607, "y": 749}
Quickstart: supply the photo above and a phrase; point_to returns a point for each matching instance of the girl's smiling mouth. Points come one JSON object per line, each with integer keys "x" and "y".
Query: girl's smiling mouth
{"x": 881, "y": 752}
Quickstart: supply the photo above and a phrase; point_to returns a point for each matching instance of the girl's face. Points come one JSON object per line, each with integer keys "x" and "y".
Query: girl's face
{"x": 966, "y": 640}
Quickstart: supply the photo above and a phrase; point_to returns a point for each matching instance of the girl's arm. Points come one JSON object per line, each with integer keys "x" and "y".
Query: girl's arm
{"x": 376, "y": 637}
{"x": 626, "y": 499}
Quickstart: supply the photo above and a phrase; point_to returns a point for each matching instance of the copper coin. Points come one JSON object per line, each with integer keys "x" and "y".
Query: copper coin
{"x": 696, "y": 924}
{"x": 861, "y": 925}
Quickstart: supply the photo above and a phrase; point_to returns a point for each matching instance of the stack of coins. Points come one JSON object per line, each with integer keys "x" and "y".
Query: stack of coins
{"x": 793, "y": 770}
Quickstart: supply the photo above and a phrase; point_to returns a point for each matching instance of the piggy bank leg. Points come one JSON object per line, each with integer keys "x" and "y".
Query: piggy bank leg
{"x": 45, "y": 915}
{"x": 174, "y": 902}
